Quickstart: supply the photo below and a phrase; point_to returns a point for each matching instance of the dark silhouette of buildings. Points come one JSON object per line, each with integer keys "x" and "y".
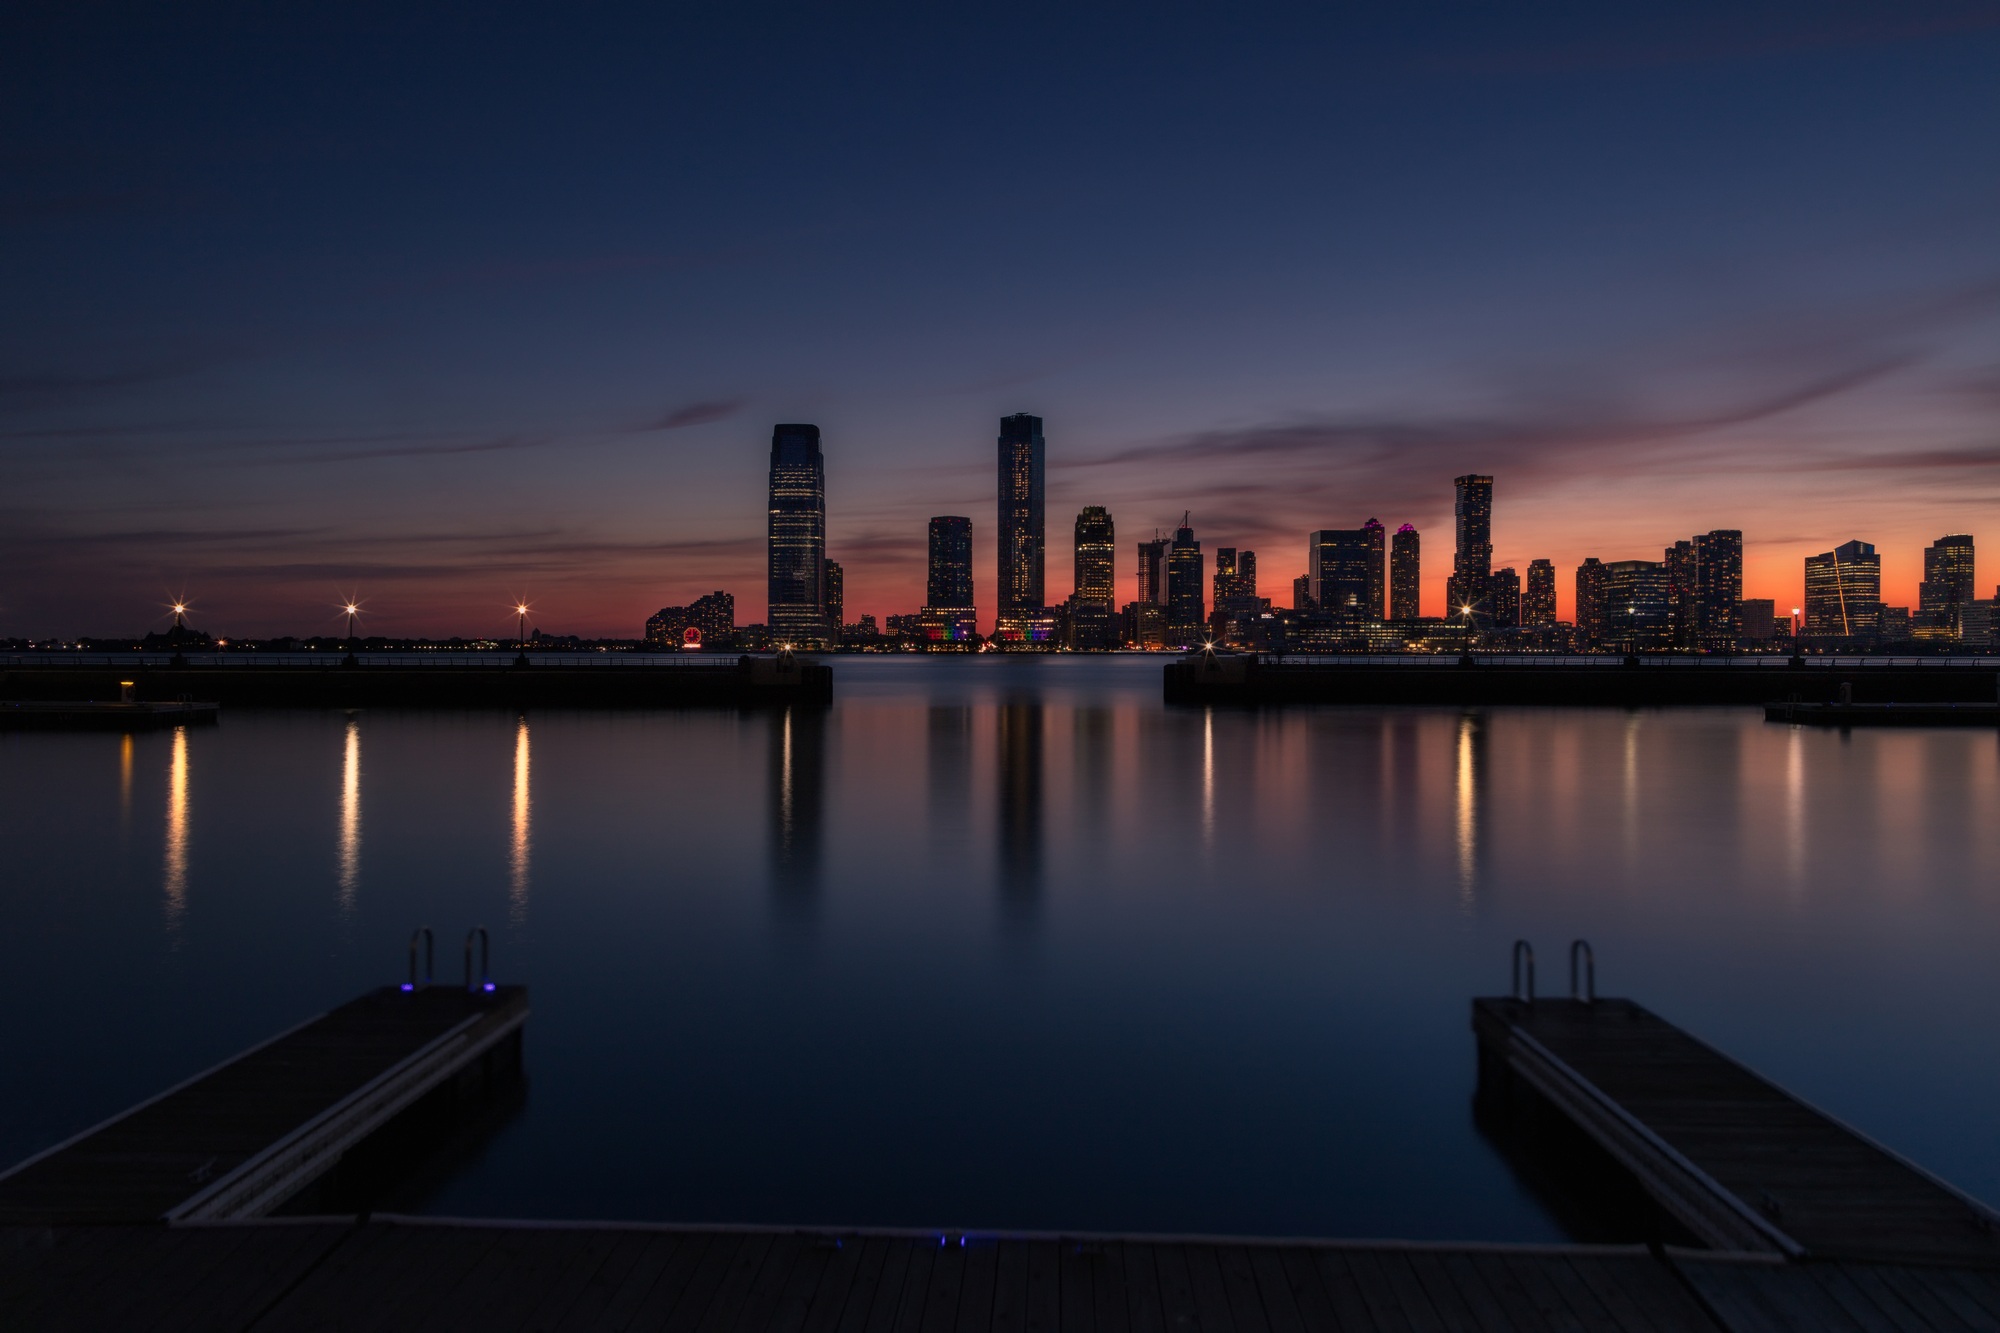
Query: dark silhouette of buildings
{"x": 1503, "y": 598}
{"x": 1638, "y": 606}
{"x": 1153, "y": 570}
{"x": 796, "y": 536}
{"x": 1538, "y": 599}
{"x": 1022, "y": 536}
{"x": 1590, "y": 594}
{"x": 1844, "y": 592}
{"x": 1237, "y": 605}
{"x": 836, "y": 600}
{"x": 1344, "y": 571}
{"x": 1186, "y": 618}
{"x": 1705, "y": 585}
{"x": 1472, "y": 562}
{"x": 1378, "y": 572}
{"x": 1405, "y": 575}
{"x": 949, "y": 580}
{"x": 1947, "y": 588}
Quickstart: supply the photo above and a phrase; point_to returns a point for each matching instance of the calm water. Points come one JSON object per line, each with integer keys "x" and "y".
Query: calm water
{"x": 1006, "y": 943}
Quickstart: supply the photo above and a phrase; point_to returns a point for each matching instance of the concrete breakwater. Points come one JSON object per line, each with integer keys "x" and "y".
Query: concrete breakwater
{"x": 1578, "y": 682}
{"x": 742, "y": 682}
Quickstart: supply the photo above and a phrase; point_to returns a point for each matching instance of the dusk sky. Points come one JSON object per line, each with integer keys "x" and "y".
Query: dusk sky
{"x": 440, "y": 311}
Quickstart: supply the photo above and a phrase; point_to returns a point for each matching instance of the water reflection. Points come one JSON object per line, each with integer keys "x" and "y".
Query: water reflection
{"x": 948, "y": 774}
{"x": 350, "y": 816}
{"x": 798, "y": 781}
{"x": 1020, "y": 750}
{"x": 124, "y": 784}
{"x": 1469, "y": 756}
{"x": 1795, "y": 809}
{"x": 1208, "y": 779}
{"x": 517, "y": 878}
{"x": 177, "y": 828}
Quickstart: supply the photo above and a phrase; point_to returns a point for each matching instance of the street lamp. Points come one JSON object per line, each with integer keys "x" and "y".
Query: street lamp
{"x": 180, "y": 615}
{"x": 353, "y": 609}
{"x": 521, "y": 610}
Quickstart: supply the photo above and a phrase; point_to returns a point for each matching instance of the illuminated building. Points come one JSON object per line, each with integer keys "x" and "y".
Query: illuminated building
{"x": 1302, "y": 593}
{"x": 1378, "y": 569}
{"x": 797, "y": 537}
{"x": 1637, "y": 606}
{"x": 950, "y": 572}
{"x": 1844, "y": 592}
{"x": 1757, "y": 618}
{"x": 1153, "y": 570}
{"x": 1029, "y": 628}
{"x": 944, "y": 626}
{"x": 1022, "y": 539}
{"x": 1145, "y": 624}
{"x": 1344, "y": 571}
{"x": 836, "y": 601}
{"x": 1405, "y": 575}
{"x": 713, "y": 615}
{"x": 1946, "y": 589}
{"x": 1186, "y": 619}
{"x": 1718, "y": 589}
{"x": 1503, "y": 598}
{"x": 1236, "y": 600}
{"x": 1472, "y": 562}
{"x": 1590, "y": 601}
{"x": 1538, "y": 600}
{"x": 1096, "y": 558}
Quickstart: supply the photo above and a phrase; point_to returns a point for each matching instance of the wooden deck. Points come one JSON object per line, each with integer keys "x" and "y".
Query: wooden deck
{"x": 237, "y": 1141}
{"x": 1738, "y": 1161}
{"x": 315, "y": 1276}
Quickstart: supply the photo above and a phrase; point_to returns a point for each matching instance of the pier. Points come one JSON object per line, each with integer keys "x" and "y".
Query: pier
{"x": 1589, "y": 682}
{"x": 37, "y": 715}
{"x": 1838, "y": 714}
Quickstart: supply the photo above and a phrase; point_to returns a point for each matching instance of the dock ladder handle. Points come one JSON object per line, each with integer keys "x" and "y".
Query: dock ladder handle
{"x": 1588, "y": 991}
{"x": 430, "y": 957}
{"x": 1524, "y": 952}
{"x": 485, "y": 983}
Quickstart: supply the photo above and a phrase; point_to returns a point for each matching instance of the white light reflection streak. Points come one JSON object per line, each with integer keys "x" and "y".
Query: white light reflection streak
{"x": 1468, "y": 814}
{"x": 1631, "y": 788}
{"x": 177, "y": 829}
{"x": 124, "y": 784}
{"x": 1795, "y": 809}
{"x": 785, "y": 783}
{"x": 1208, "y": 778}
{"x": 350, "y": 817}
{"x": 517, "y": 888}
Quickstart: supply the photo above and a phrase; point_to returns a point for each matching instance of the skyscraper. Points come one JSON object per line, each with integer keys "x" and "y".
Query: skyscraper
{"x": 1185, "y": 615}
{"x": 1718, "y": 589}
{"x": 1378, "y": 572}
{"x": 1343, "y": 569}
{"x": 1638, "y": 609}
{"x": 1844, "y": 591}
{"x": 1504, "y": 598}
{"x": 950, "y": 575}
{"x": 1679, "y": 562}
{"x": 796, "y": 538}
{"x": 1538, "y": 602}
{"x": 1590, "y": 600}
{"x": 1021, "y": 530}
{"x": 1947, "y": 587}
{"x": 1472, "y": 562}
{"x": 1096, "y": 557}
{"x": 1405, "y": 575}
{"x": 836, "y": 601}
{"x": 1153, "y": 570}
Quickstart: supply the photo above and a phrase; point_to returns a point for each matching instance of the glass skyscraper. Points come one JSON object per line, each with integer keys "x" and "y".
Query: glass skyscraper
{"x": 1186, "y": 616}
{"x": 1022, "y": 539}
{"x": 1096, "y": 557}
{"x": 1472, "y": 562}
{"x": 1947, "y": 587}
{"x": 1844, "y": 591}
{"x": 1538, "y": 601}
{"x": 949, "y": 582}
{"x": 1405, "y": 575}
{"x": 1344, "y": 571}
{"x": 796, "y": 537}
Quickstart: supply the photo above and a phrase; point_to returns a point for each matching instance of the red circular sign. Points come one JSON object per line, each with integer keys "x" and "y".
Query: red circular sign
{"x": 691, "y": 637}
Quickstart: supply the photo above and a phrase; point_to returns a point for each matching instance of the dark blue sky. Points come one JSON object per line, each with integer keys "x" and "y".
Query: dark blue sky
{"x": 450, "y": 307}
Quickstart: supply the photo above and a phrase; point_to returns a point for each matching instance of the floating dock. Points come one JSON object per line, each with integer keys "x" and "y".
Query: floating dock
{"x": 1838, "y": 714}
{"x": 1739, "y": 1162}
{"x": 1587, "y": 682}
{"x": 50, "y": 715}
{"x": 239, "y": 1140}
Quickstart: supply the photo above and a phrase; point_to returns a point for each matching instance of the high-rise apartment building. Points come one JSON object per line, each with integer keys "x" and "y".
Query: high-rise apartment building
{"x": 1096, "y": 558}
{"x": 1405, "y": 575}
{"x": 1679, "y": 564}
{"x": 712, "y": 615}
{"x": 1236, "y": 601}
{"x": 1590, "y": 600}
{"x": 949, "y": 579}
{"x": 836, "y": 601}
{"x": 1844, "y": 591}
{"x": 1302, "y": 598}
{"x": 1153, "y": 570}
{"x": 1472, "y": 561}
{"x": 1947, "y": 587}
{"x": 1538, "y": 599}
{"x": 1021, "y": 528}
{"x": 796, "y": 538}
{"x": 1378, "y": 576}
{"x": 1343, "y": 571}
{"x": 1503, "y": 598}
{"x": 1718, "y": 589}
{"x": 1638, "y": 606}
{"x": 1186, "y": 618}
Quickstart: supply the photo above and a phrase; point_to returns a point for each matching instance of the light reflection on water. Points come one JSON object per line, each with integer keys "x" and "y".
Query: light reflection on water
{"x": 1009, "y": 943}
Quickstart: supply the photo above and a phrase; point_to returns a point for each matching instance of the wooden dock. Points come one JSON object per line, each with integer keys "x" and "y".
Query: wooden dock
{"x": 408, "y": 1273}
{"x": 1739, "y": 1162}
{"x": 238, "y": 1140}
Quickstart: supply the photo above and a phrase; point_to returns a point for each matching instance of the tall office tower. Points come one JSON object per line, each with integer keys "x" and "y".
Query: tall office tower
{"x": 1844, "y": 591}
{"x": 1538, "y": 602}
{"x": 1096, "y": 557}
{"x": 1638, "y": 607}
{"x": 1947, "y": 586}
{"x": 1225, "y": 576}
{"x": 836, "y": 601}
{"x": 1021, "y": 535}
{"x": 1504, "y": 598}
{"x": 1405, "y": 575}
{"x": 1185, "y": 615}
{"x": 1344, "y": 569}
{"x": 1718, "y": 589}
{"x": 796, "y": 536}
{"x": 1302, "y": 598}
{"x": 1378, "y": 575}
{"x": 1590, "y": 600}
{"x": 1758, "y": 618}
{"x": 950, "y": 576}
{"x": 1246, "y": 575}
{"x": 1679, "y": 564}
{"x": 1153, "y": 570}
{"x": 1472, "y": 562}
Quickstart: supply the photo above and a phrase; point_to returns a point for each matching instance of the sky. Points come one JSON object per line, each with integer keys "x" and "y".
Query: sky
{"x": 444, "y": 306}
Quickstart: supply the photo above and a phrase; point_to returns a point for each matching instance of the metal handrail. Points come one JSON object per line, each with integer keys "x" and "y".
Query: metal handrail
{"x": 1588, "y": 992}
{"x": 485, "y": 960}
{"x": 430, "y": 957}
{"x": 1524, "y": 951}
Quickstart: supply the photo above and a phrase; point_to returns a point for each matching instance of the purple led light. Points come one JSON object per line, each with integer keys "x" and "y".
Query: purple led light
{"x": 489, "y": 985}
{"x": 409, "y": 985}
